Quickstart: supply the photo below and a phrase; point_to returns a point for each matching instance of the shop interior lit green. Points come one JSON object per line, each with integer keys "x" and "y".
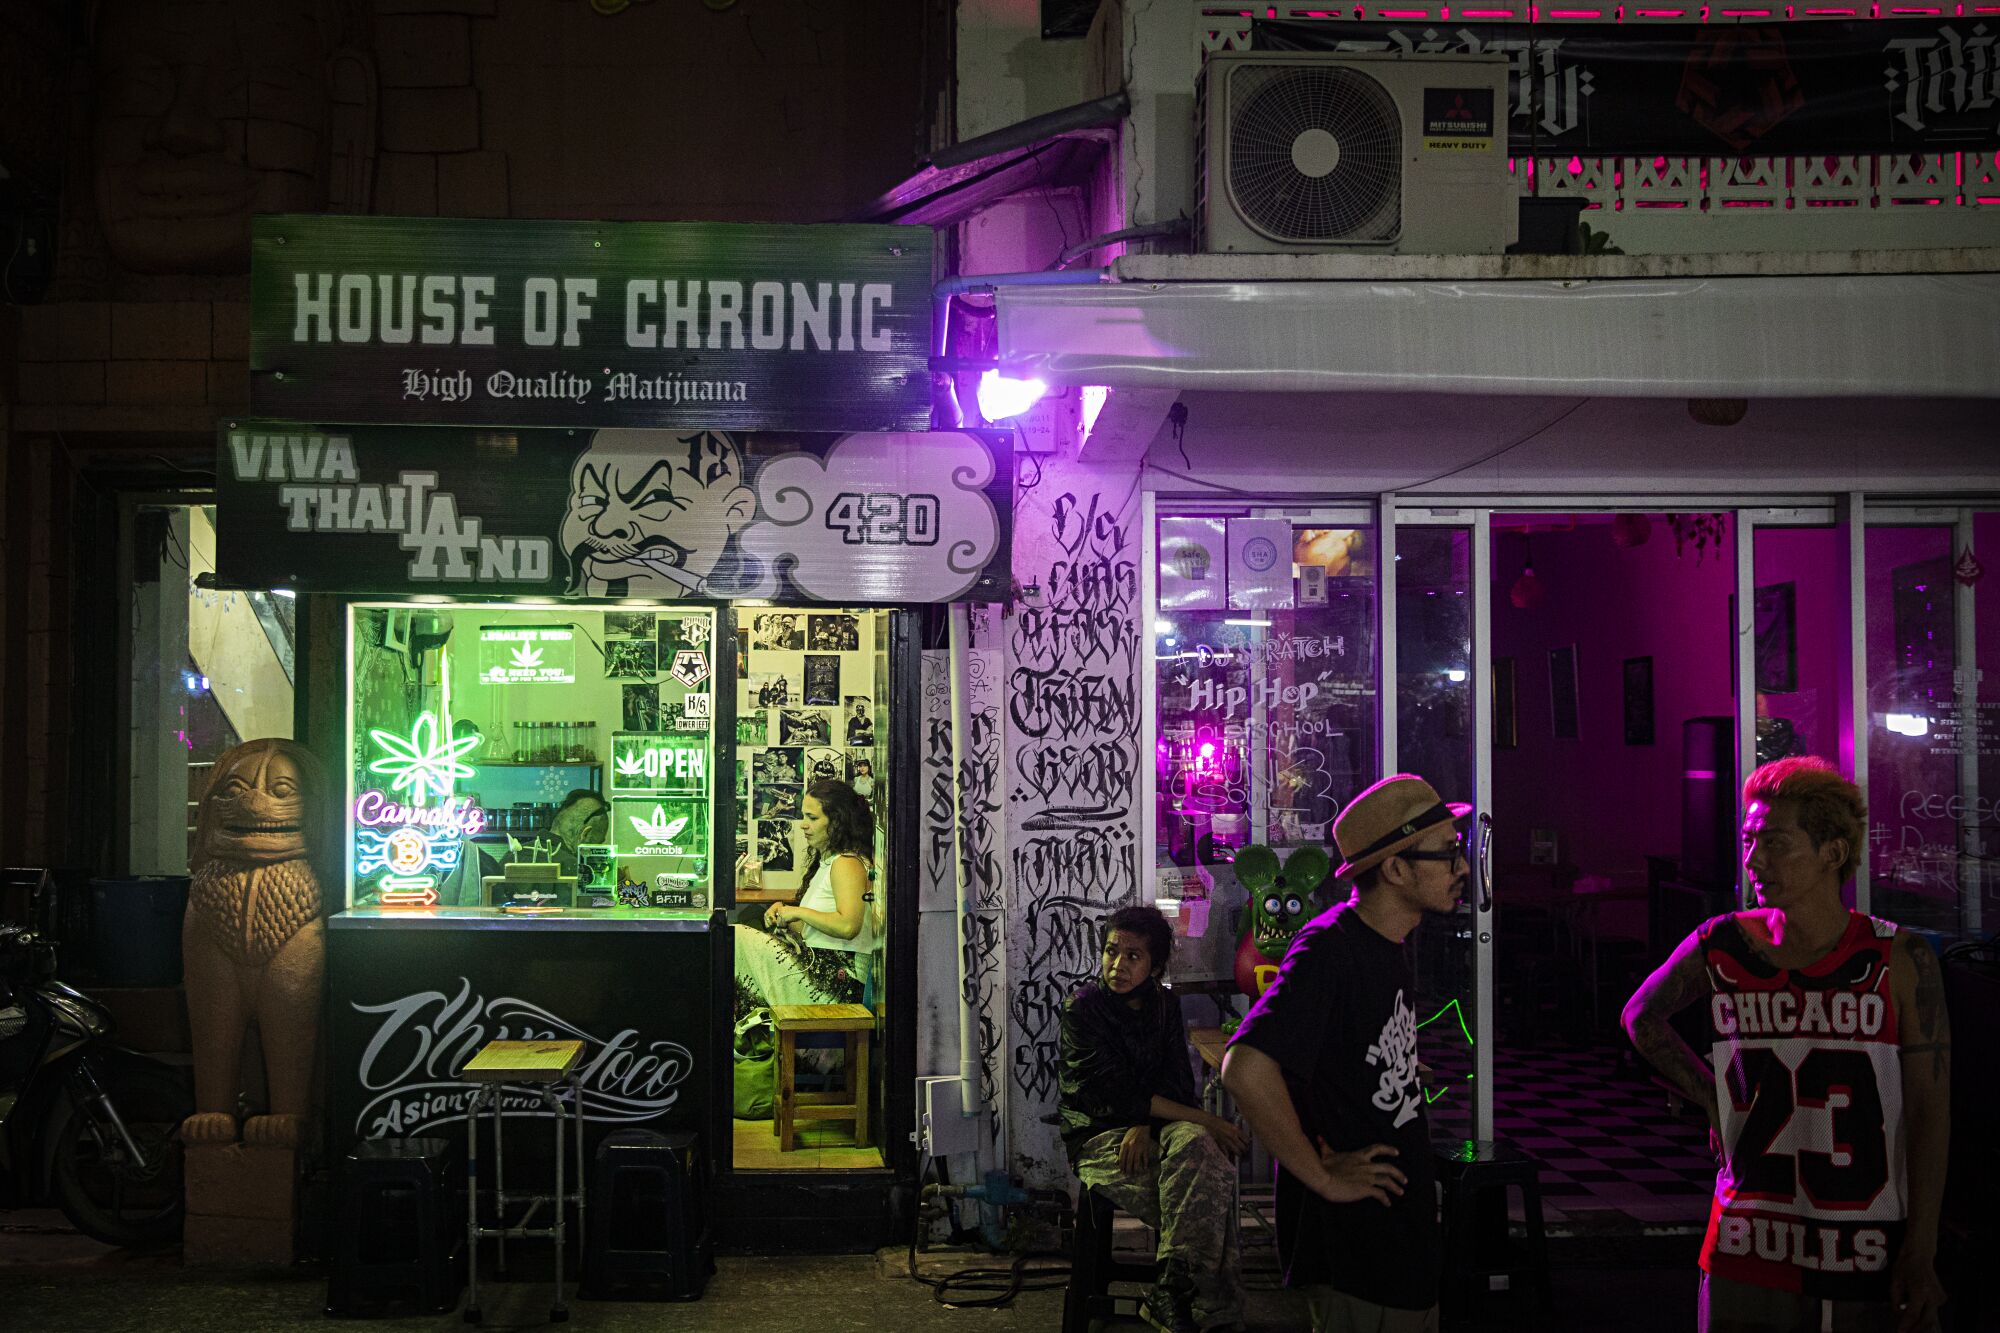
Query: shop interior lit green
{"x": 525, "y": 759}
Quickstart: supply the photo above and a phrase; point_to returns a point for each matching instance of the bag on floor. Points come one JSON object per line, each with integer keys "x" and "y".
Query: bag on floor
{"x": 756, "y": 1048}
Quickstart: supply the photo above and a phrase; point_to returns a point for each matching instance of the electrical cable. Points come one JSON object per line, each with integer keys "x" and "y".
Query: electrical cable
{"x": 1023, "y": 487}
{"x": 986, "y": 1278}
{"x": 1211, "y": 485}
{"x": 1503, "y": 449}
{"x": 1407, "y": 486}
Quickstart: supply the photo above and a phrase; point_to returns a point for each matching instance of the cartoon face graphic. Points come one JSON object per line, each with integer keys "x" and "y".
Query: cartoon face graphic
{"x": 651, "y": 512}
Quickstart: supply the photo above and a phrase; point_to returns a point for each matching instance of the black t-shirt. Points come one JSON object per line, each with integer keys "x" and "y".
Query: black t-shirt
{"x": 1341, "y": 1022}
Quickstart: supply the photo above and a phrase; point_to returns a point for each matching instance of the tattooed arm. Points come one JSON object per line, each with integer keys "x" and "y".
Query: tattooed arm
{"x": 1678, "y": 982}
{"x": 1924, "y": 1031}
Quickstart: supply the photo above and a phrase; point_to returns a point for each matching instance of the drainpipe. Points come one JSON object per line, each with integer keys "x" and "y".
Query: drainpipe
{"x": 970, "y": 1095}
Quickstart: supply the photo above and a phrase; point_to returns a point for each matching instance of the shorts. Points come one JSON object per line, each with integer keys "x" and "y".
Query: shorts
{"x": 1744, "y": 1307}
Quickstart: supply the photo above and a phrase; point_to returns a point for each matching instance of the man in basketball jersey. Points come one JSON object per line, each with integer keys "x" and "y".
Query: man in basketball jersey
{"x": 1825, "y": 1067}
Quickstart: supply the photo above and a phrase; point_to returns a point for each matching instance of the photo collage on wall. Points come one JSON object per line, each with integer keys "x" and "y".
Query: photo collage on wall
{"x": 658, "y": 781}
{"x": 661, "y": 663}
{"x": 805, "y": 711}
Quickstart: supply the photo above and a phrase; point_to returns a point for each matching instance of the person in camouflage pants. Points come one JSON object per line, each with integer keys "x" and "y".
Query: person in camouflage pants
{"x": 1188, "y": 1195}
{"x": 1136, "y": 1133}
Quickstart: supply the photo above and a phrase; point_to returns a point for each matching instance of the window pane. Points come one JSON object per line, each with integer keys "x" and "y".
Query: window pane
{"x": 1267, "y": 713}
{"x": 1934, "y": 728}
{"x": 1434, "y": 684}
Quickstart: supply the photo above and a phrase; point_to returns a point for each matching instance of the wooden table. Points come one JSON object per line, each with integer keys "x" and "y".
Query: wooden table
{"x": 1209, "y": 1044}
{"x": 767, "y": 895}
{"x": 523, "y": 1062}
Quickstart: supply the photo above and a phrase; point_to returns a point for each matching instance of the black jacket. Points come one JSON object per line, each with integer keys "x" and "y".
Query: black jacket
{"x": 1116, "y": 1059}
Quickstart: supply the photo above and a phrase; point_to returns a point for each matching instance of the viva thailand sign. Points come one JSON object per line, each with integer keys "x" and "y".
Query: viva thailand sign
{"x": 534, "y": 323}
{"x": 876, "y": 517}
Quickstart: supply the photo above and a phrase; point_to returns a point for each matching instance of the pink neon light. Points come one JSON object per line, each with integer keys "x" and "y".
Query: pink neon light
{"x": 1486, "y": 13}
{"x": 457, "y": 816}
{"x": 1403, "y": 13}
{"x": 1208, "y": 749}
{"x": 1574, "y": 13}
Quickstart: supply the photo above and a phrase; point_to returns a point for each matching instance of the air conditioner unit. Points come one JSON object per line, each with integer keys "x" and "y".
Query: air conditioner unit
{"x": 1323, "y": 151}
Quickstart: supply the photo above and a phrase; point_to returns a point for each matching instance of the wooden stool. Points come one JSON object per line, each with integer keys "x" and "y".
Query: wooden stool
{"x": 856, "y": 1022}
{"x": 535, "y": 1072}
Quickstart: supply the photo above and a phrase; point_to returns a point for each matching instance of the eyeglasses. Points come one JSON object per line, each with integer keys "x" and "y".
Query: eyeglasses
{"x": 1456, "y": 852}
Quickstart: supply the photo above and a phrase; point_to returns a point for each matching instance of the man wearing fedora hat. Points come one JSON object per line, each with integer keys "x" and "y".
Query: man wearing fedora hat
{"x": 1325, "y": 1069}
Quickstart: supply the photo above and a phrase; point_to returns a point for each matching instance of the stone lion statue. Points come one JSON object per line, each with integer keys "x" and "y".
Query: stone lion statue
{"x": 254, "y": 941}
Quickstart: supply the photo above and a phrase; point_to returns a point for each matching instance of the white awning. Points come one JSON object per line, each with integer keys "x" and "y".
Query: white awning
{"x": 1726, "y": 336}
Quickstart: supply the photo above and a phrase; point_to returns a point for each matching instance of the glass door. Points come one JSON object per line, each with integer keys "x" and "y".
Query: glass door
{"x": 1793, "y": 644}
{"x": 1441, "y": 706}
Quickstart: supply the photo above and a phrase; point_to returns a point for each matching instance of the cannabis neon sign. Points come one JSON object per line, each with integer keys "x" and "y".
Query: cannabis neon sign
{"x": 424, "y": 760}
{"x": 407, "y": 843}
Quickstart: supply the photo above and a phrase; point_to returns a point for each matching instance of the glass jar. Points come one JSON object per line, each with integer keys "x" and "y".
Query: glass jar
{"x": 520, "y": 755}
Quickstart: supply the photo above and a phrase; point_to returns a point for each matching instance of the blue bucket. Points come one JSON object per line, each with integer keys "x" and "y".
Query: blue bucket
{"x": 135, "y": 929}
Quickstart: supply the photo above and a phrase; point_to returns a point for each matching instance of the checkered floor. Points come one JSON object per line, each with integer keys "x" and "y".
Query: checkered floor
{"x": 1612, "y": 1155}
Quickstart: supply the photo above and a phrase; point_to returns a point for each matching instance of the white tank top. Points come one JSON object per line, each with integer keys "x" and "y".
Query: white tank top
{"x": 819, "y": 897}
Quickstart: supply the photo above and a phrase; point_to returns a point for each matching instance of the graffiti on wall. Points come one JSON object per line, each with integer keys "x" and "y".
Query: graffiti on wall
{"x": 1073, "y": 705}
{"x": 979, "y": 816}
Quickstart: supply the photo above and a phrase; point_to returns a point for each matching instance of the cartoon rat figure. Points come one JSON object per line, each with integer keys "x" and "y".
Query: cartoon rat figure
{"x": 1280, "y": 906}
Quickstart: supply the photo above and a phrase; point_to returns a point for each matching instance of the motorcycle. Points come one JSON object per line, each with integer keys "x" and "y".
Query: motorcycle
{"x": 84, "y": 1122}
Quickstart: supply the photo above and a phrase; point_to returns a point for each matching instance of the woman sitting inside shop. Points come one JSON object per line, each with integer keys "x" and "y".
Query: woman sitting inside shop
{"x": 1135, "y": 1134}
{"x": 827, "y": 938}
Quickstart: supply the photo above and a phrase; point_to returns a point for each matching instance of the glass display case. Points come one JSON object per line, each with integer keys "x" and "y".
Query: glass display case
{"x": 522, "y": 759}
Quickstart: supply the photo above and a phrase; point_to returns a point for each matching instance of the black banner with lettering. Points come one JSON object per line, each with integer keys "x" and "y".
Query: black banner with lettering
{"x": 674, "y": 325}
{"x": 1715, "y": 89}
{"x": 878, "y": 517}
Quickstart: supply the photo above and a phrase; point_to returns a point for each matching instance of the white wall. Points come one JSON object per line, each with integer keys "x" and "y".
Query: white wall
{"x": 1006, "y": 72}
{"x": 1024, "y": 233}
{"x": 1162, "y": 56}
